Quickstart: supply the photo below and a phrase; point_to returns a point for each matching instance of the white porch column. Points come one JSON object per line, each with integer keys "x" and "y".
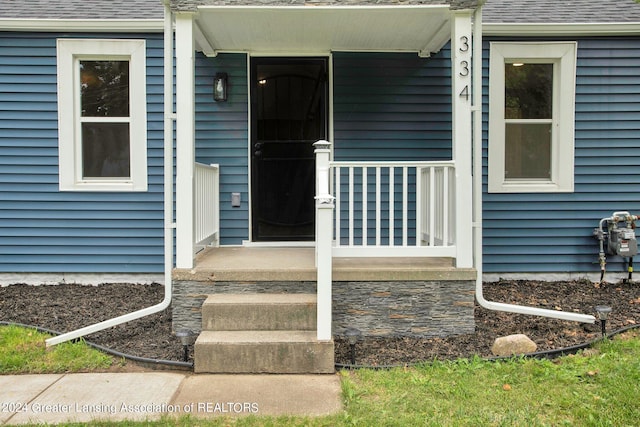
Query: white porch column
{"x": 461, "y": 50}
{"x": 324, "y": 240}
{"x": 185, "y": 139}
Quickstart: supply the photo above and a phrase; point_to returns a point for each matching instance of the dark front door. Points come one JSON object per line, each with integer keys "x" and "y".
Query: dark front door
{"x": 289, "y": 114}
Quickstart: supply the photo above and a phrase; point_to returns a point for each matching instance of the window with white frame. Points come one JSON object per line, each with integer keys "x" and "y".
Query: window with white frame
{"x": 102, "y": 115}
{"x": 531, "y": 117}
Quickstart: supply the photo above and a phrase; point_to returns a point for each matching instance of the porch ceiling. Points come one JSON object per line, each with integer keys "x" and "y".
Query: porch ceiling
{"x": 322, "y": 29}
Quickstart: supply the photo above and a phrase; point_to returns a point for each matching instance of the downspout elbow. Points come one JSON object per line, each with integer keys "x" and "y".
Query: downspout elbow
{"x": 531, "y": 311}
{"x": 78, "y": 333}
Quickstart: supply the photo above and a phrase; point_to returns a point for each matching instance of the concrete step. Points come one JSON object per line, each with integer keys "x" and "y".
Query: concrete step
{"x": 281, "y": 352}
{"x": 256, "y": 312}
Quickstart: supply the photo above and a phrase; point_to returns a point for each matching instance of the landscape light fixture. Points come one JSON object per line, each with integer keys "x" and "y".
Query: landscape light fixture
{"x": 603, "y": 314}
{"x": 220, "y": 87}
{"x": 187, "y": 338}
{"x": 353, "y": 335}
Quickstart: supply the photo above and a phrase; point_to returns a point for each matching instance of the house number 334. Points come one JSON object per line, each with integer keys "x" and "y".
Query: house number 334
{"x": 464, "y": 66}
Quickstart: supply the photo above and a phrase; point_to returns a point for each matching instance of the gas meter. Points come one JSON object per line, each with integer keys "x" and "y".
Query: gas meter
{"x": 622, "y": 242}
{"x": 618, "y": 239}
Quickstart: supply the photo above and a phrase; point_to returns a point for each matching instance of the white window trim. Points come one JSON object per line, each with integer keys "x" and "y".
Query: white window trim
{"x": 563, "y": 56}
{"x": 70, "y": 52}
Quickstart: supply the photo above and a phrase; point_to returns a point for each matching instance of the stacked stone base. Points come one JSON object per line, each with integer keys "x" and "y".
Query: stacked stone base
{"x": 435, "y": 308}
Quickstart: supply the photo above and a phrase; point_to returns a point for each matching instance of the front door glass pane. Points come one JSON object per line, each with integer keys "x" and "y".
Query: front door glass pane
{"x": 289, "y": 113}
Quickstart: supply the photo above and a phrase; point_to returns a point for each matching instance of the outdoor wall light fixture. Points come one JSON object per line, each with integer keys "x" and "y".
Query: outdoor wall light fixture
{"x": 220, "y": 87}
{"x": 603, "y": 314}
{"x": 353, "y": 335}
{"x": 187, "y": 338}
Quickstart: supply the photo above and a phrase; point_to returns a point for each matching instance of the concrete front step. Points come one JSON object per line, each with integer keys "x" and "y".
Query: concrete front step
{"x": 281, "y": 352}
{"x": 256, "y": 312}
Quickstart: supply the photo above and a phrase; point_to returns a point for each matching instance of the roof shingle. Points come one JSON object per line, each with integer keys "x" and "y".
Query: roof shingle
{"x": 81, "y": 9}
{"x": 556, "y": 11}
{"x": 494, "y": 11}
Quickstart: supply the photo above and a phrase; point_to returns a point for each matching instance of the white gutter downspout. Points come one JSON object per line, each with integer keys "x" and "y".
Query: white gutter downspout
{"x": 477, "y": 193}
{"x": 168, "y": 200}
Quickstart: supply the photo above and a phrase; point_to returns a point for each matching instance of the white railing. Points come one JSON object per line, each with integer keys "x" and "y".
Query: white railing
{"x": 324, "y": 238}
{"x": 394, "y": 209}
{"x": 386, "y": 209}
{"x": 438, "y": 205}
{"x": 207, "y": 205}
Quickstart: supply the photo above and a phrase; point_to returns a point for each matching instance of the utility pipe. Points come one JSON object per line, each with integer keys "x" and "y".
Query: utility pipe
{"x": 477, "y": 193}
{"x": 168, "y": 199}
{"x": 599, "y": 233}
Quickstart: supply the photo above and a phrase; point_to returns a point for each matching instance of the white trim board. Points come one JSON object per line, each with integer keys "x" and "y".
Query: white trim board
{"x": 594, "y": 277}
{"x": 88, "y": 25}
{"x": 89, "y": 279}
{"x": 561, "y": 29}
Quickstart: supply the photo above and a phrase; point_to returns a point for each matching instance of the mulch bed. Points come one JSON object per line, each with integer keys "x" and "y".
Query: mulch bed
{"x": 67, "y": 307}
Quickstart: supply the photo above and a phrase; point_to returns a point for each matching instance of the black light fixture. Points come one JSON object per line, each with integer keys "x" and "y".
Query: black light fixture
{"x": 187, "y": 338}
{"x": 353, "y": 335}
{"x": 603, "y": 314}
{"x": 220, "y": 87}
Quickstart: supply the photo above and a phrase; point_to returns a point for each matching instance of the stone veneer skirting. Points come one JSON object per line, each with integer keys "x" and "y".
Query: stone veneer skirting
{"x": 407, "y": 308}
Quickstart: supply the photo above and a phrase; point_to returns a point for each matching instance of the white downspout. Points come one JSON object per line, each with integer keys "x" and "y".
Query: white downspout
{"x": 477, "y": 193}
{"x": 168, "y": 199}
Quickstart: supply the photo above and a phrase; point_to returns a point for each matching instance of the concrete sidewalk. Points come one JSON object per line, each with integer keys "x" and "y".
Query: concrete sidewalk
{"x": 57, "y": 398}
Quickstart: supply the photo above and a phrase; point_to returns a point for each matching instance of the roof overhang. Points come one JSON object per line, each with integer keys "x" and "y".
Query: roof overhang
{"x": 321, "y": 29}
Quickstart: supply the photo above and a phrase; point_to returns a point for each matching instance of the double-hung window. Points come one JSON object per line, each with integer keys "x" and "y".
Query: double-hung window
{"x": 531, "y": 117}
{"x": 102, "y": 115}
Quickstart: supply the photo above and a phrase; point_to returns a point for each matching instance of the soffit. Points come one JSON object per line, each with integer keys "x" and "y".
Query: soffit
{"x": 317, "y": 29}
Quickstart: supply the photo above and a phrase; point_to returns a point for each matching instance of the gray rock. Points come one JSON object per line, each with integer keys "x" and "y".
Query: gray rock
{"x": 513, "y": 344}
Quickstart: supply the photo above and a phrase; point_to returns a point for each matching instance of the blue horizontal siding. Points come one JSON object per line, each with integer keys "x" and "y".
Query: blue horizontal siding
{"x": 29, "y": 231}
{"x": 553, "y": 232}
{"x": 391, "y": 106}
{"x": 222, "y": 135}
{"x": 41, "y": 228}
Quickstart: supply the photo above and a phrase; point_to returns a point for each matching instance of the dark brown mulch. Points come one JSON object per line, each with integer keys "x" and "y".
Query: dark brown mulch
{"x": 66, "y": 307}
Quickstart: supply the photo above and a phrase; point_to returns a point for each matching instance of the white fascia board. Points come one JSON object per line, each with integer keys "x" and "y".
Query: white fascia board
{"x": 558, "y": 29}
{"x": 328, "y": 7}
{"x": 88, "y": 25}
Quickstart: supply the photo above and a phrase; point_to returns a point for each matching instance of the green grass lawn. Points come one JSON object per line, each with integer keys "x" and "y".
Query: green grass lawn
{"x": 23, "y": 351}
{"x": 595, "y": 388}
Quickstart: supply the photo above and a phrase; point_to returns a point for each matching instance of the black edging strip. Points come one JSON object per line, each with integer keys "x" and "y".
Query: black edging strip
{"x": 143, "y": 360}
{"x": 539, "y": 354}
{"x": 189, "y": 365}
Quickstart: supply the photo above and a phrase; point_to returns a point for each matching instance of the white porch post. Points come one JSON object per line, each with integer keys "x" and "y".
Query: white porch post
{"x": 462, "y": 133}
{"x": 185, "y": 141}
{"x": 324, "y": 239}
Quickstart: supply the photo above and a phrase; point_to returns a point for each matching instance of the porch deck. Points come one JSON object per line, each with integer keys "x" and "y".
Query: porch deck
{"x": 249, "y": 264}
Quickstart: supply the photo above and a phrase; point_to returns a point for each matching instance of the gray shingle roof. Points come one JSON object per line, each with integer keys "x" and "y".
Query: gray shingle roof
{"x": 82, "y": 9}
{"x": 495, "y": 11}
{"x": 560, "y": 11}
